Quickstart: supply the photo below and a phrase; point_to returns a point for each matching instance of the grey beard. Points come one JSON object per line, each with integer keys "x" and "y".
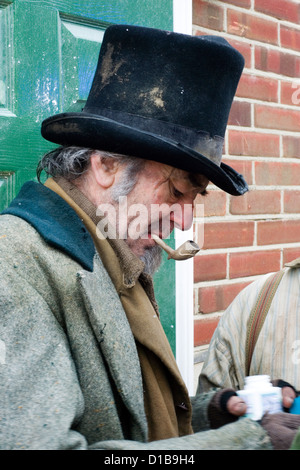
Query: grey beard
{"x": 152, "y": 259}
{"x": 153, "y": 256}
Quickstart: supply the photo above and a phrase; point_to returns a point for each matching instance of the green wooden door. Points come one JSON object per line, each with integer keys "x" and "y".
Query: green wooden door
{"x": 48, "y": 54}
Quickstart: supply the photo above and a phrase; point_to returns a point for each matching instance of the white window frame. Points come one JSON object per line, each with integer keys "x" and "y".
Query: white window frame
{"x": 182, "y": 23}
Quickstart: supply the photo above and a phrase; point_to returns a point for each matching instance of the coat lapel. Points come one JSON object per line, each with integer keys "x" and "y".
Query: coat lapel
{"x": 115, "y": 339}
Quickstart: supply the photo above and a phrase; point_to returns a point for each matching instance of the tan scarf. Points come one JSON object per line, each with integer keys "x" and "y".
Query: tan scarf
{"x": 167, "y": 404}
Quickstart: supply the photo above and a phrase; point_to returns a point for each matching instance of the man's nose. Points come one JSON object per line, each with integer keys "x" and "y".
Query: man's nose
{"x": 182, "y": 215}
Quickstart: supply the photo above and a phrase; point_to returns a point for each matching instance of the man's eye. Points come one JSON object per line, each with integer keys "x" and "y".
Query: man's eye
{"x": 177, "y": 193}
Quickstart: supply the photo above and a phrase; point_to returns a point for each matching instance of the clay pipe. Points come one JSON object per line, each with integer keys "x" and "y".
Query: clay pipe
{"x": 185, "y": 251}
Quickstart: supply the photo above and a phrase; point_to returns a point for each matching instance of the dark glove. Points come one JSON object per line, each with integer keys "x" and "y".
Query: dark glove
{"x": 281, "y": 428}
{"x": 289, "y": 393}
{"x": 217, "y": 411}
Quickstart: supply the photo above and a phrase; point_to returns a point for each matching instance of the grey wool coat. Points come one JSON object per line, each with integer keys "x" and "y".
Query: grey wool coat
{"x": 69, "y": 371}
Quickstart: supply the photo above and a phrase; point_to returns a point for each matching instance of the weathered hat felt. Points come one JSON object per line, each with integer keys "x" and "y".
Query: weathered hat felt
{"x": 161, "y": 96}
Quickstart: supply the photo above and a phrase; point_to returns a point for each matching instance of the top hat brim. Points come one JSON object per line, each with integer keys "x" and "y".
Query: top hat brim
{"x": 99, "y": 132}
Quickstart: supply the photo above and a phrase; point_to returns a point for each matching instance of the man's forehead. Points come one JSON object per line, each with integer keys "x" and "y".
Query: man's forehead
{"x": 198, "y": 180}
{"x": 192, "y": 181}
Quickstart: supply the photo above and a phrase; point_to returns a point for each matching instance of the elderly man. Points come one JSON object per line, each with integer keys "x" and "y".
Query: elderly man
{"x": 85, "y": 363}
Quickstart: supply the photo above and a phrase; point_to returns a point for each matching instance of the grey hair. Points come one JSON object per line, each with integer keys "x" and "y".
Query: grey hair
{"x": 69, "y": 162}
{"x": 152, "y": 259}
{"x": 73, "y": 162}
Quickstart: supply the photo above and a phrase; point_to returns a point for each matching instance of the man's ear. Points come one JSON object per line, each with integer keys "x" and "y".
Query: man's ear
{"x": 104, "y": 170}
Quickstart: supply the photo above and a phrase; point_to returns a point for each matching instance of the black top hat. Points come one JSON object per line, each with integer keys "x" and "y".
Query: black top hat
{"x": 162, "y": 96}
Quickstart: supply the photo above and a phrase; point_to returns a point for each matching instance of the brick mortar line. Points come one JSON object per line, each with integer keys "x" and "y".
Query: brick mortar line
{"x": 274, "y": 104}
{"x": 269, "y": 74}
{"x": 200, "y": 316}
{"x": 255, "y": 158}
{"x": 253, "y": 12}
{"x": 284, "y": 216}
{"x": 256, "y": 218}
{"x": 278, "y": 33}
{"x": 252, "y": 248}
{"x": 281, "y": 259}
{"x": 255, "y": 187}
{"x": 247, "y": 249}
{"x": 270, "y": 104}
{"x": 251, "y": 217}
{"x": 281, "y": 149}
{"x": 281, "y": 216}
{"x": 263, "y": 130}
{"x": 261, "y": 159}
{"x": 226, "y": 141}
{"x": 228, "y": 282}
{"x": 244, "y": 249}
{"x": 263, "y": 187}
{"x": 228, "y": 265}
{"x": 243, "y": 39}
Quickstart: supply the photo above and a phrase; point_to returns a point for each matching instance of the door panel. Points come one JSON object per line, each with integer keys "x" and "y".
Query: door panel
{"x": 48, "y": 70}
{"x": 33, "y": 69}
{"x": 153, "y": 13}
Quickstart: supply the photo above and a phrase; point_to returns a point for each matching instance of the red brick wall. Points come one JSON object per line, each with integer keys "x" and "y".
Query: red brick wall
{"x": 256, "y": 233}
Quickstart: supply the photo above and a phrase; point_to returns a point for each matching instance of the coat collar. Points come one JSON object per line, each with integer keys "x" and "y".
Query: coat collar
{"x": 131, "y": 266}
{"x": 55, "y": 221}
